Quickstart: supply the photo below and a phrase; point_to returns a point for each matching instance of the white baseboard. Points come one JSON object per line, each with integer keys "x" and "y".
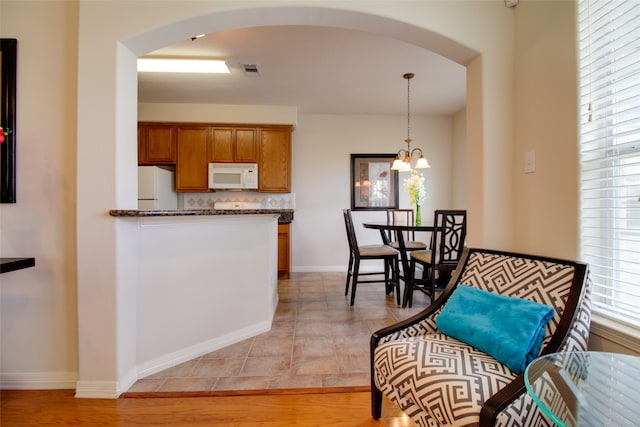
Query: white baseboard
{"x": 321, "y": 269}
{"x": 38, "y": 380}
{"x": 332, "y": 269}
{"x": 113, "y": 389}
{"x": 127, "y": 381}
{"x": 97, "y": 389}
{"x": 172, "y": 359}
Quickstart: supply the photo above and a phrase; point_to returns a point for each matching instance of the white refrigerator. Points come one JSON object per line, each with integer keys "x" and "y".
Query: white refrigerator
{"x": 156, "y": 188}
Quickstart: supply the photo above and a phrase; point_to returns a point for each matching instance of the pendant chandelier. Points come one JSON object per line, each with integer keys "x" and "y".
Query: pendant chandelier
{"x": 403, "y": 159}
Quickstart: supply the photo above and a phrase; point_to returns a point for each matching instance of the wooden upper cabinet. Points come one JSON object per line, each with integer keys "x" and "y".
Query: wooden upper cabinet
{"x": 192, "y": 146}
{"x": 233, "y": 145}
{"x": 221, "y": 149}
{"x": 192, "y": 164}
{"x": 274, "y": 164}
{"x": 156, "y": 144}
{"x": 246, "y": 149}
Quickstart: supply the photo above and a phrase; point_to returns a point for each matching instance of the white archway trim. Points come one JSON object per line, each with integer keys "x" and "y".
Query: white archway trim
{"x": 300, "y": 15}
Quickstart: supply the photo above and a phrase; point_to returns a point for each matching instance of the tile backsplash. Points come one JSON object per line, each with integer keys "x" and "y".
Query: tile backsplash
{"x": 207, "y": 200}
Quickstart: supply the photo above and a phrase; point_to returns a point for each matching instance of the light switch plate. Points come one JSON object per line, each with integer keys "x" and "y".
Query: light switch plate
{"x": 529, "y": 161}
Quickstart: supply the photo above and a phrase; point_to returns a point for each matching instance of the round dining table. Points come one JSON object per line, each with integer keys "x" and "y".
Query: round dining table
{"x": 384, "y": 228}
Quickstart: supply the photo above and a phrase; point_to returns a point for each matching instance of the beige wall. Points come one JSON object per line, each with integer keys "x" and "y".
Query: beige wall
{"x": 214, "y": 113}
{"x": 38, "y": 321}
{"x": 322, "y": 146}
{"x": 458, "y": 161}
{"x": 546, "y": 202}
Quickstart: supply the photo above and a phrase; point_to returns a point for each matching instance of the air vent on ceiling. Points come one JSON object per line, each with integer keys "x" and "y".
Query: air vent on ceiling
{"x": 250, "y": 69}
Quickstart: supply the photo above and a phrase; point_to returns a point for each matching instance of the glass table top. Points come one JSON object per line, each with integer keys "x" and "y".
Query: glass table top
{"x": 586, "y": 388}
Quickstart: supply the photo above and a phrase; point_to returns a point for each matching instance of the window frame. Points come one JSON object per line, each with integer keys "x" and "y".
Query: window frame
{"x": 609, "y": 147}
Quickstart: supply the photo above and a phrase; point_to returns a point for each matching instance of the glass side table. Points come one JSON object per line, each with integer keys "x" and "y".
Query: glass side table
{"x": 587, "y": 388}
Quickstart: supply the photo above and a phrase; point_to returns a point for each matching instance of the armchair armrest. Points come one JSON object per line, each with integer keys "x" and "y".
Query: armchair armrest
{"x": 496, "y": 403}
{"x": 430, "y": 311}
{"x": 499, "y": 401}
{"x": 427, "y": 313}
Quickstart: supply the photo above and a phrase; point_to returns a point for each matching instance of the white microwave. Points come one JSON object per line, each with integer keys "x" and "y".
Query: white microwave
{"x": 233, "y": 176}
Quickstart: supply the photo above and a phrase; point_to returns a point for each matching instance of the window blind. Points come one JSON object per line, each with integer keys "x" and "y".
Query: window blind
{"x": 609, "y": 80}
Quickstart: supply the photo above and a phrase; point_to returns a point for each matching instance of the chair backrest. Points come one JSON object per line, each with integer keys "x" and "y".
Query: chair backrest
{"x": 448, "y": 240}
{"x": 557, "y": 283}
{"x": 351, "y": 232}
{"x": 561, "y": 284}
{"x": 401, "y": 217}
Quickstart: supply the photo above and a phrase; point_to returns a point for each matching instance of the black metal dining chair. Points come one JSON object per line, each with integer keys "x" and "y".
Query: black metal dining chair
{"x": 447, "y": 244}
{"x": 357, "y": 253}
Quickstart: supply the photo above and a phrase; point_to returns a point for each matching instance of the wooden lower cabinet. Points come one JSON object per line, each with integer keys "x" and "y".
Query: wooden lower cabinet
{"x": 284, "y": 251}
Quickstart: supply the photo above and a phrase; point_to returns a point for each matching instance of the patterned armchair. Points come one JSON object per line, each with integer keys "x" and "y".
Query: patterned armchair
{"x": 440, "y": 381}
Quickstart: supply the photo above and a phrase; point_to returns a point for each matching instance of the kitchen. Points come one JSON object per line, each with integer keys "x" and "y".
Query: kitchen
{"x": 219, "y": 168}
{"x": 211, "y": 231}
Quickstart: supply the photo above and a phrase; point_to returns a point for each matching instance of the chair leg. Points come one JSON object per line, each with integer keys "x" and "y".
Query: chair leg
{"x": 408, "y": 285}
{"x": 433, "y": 286}
{"x": 354, "y": 280}
{"x": 443, "y": 279}
{"x": 395, "y": 273}
{"x": 349, "y": 270}
{"x": 376, "y": 402}
{"x": 387, "y": 282}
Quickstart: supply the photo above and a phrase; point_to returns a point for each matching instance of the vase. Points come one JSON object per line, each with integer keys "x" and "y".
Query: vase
{"x": 418, "y": 215}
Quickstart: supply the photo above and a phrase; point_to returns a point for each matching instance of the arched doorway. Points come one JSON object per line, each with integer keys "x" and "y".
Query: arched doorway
{"x": 125, "y": 106}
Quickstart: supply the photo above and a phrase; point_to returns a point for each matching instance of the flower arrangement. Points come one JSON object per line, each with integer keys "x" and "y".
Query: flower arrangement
{"x": 415, "y": 186}
{"x": 3, "y": 133}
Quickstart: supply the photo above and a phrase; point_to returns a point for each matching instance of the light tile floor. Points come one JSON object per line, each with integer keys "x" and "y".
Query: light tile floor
{"x": 317, "y": 340}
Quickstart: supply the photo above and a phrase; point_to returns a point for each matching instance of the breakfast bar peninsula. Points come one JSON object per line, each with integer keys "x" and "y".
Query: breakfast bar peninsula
{"x": 205, "y": 278}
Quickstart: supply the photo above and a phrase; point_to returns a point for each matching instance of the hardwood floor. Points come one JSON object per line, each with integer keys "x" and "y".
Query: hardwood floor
{"x": 60, "y": 408}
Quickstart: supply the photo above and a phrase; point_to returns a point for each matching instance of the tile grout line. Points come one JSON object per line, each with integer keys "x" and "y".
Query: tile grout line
{"x": 246, "y": 357}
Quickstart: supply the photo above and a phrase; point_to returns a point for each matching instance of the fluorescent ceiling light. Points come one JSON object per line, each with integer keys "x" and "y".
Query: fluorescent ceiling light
{"x": 174, "y": 65}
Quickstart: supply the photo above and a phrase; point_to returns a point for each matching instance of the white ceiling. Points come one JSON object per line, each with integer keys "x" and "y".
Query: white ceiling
{"x": 318, "y": 69}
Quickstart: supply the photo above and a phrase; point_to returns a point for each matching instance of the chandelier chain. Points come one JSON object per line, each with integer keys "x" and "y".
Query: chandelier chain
{"x": 408, "y": 110}
{"x": 408, "y": 76}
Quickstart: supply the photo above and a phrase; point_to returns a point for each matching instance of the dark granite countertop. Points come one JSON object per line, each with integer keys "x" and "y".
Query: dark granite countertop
{"x": 286, "y": 215}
